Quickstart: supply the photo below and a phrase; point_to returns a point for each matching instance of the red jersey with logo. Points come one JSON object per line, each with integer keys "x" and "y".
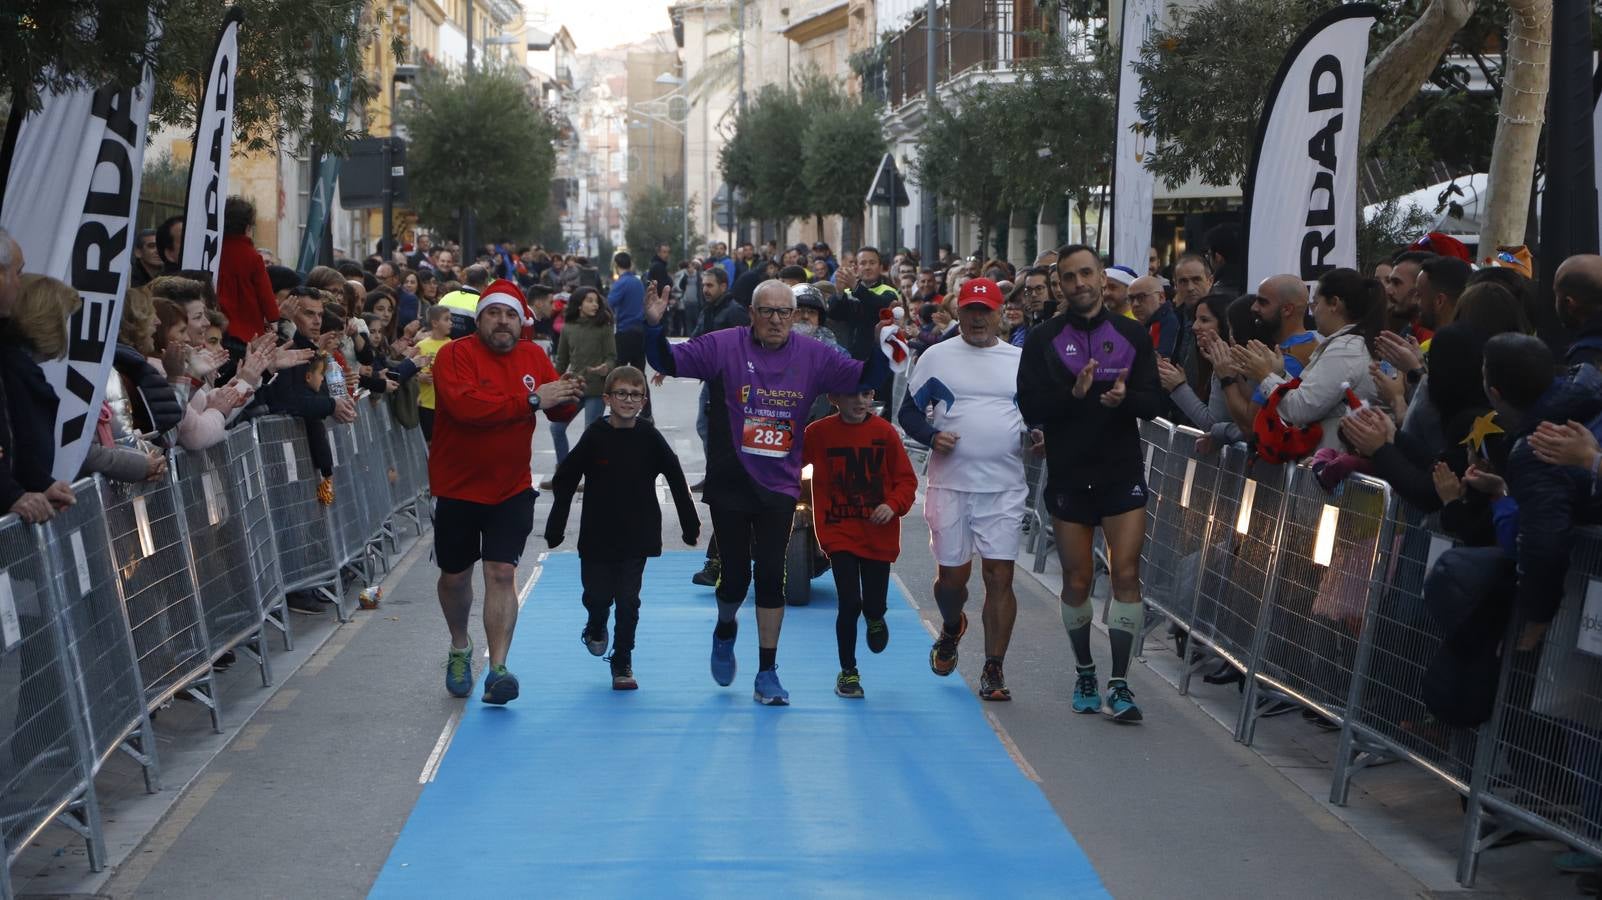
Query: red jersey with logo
{"x": 483, "y": 424}
{"x": 854, "y": 469}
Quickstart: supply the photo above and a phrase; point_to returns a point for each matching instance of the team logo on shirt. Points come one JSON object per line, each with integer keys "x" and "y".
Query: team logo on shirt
{"x": 1106, "y": 346}
{"x": 1070, "y": 348}
{"x": 530, "y": 383}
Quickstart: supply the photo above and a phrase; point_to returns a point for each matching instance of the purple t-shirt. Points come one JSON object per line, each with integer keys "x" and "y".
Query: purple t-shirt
{"x": 1111, "y": 351}
{"x": 766, "y": 395}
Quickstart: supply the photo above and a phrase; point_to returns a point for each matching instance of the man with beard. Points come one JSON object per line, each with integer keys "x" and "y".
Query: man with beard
{"x": 1085, "y": 377}
{"x": 1119, "y": 278}
{"x": 1402, "y": 304}
{"x": 488, "y": 387}
{"x": 928, "y": 289}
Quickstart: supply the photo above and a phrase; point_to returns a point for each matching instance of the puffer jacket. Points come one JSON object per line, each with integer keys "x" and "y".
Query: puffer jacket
{"x": 1552, "y": 500}
{"x": 156, "y": 407}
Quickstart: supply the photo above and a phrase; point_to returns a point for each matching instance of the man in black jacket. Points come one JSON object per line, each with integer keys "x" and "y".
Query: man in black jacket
{"x": 658, "y": 273}
{"x": 1552, "y": 499}
{"x": 1578, "y": 288}
{"x": 864, "y": 291}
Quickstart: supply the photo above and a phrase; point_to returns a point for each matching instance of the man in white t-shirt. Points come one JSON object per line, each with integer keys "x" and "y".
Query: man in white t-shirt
{"x": 976, "y": 495}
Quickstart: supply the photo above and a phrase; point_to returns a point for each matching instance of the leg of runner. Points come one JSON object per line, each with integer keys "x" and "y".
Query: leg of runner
{"x": 500, "y": 620}
{"x": 732, "y": 530}
{"x": 1078, "y": 568}
{"x": 1124, "y": 533}
{"x": 1000, "y": 613}
{"x": 770, "y": 540}
{"x": 456, "y": 602}
{"x": 950, "y": 592}
{"x": 627, "y": 591}
{"x": 875, "y": 600}
{"x": 848, "y": 576}
{"x": 598, "y": 578}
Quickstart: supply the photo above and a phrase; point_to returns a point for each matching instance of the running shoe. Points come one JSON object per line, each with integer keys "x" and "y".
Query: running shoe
{"x": 848, "y": 685}
{"x": 622, "y": 672}
{"x": 768, "y": 690}
{"x": 993, "y": 684}
{"x": 943, "y": 655}
{"x": 459, "y": 671}
{"x": 1121, "y": 701}
{"x": 500, "y": 686}
{"x": 595, "y": 643}
{"x": 1086, "y": 698}
{"x": 878, "y": 635}
{"x": 723, "y": 666}
{"x": 709, "y": 574}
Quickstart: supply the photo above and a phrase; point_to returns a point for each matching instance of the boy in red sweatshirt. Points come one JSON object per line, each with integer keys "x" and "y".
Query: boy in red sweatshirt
{"x": 862, "y": 484}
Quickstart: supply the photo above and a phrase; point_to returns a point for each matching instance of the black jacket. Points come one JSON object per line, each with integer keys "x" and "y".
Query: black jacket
{"x": 31, "y": 404}
{"x": 1587, "y": 346}
{"x": 289, "y": 393}
{"x": 1552, "y": 499}
{"x": 859, "y": 310}
{"x": 621, "y": 517}
{"x": 720, "y": 315}
{"x": 658, "y": 273}
{"x": 155, "y": 404}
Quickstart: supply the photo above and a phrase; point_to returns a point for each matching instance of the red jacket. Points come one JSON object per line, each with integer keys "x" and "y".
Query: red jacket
{"x": 854, "y": 469}
{"x": 483, "y": 424}
{"x": 243, "y": 291}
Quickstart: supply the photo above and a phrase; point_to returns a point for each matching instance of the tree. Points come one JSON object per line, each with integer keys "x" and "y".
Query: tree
{"x": 840, "y": 152}
{"x": 956, "y": 155}
{"x": 293, "y": 54}
{"x": 1518, "y": 130}
{"x": 656, "y": 217}
{"x": 760, "y": 157}
{"x": 1073, "y": 153}
{"x": 479, "y": 142}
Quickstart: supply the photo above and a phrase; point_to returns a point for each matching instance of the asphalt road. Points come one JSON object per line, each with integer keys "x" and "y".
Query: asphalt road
{"x": 308, "y": 797}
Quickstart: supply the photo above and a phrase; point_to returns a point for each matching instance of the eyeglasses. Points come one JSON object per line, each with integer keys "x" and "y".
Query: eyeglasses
{"x": 633, "y": 396}
{"x": 1141, "y": 295}
{"x": 1035, "y": 289}
{"x": 774, "y": 312}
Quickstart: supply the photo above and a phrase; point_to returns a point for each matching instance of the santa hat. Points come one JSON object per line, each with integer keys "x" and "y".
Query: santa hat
{"x": 1442, "y": 245}
{"x": 504, "y": 293}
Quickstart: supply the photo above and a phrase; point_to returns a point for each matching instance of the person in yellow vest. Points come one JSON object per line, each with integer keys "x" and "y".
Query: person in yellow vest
{"x": 463, "y": 302}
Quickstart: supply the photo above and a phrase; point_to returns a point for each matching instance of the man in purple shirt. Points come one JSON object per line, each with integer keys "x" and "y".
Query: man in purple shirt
{"x": 762, "y": 381}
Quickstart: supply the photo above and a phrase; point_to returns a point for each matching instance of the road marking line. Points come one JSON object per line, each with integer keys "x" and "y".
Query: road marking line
{"x": 905, "y": 591}
{"x": 522, "y": 594}
{"x": 132, "y": 874}
{"x": 250, "y": 737}
{"x": 928, "y": 626}
{"x": 1012, "y": 748}
{"x": 431, "y": 767}
{"x": 282, "y": 699}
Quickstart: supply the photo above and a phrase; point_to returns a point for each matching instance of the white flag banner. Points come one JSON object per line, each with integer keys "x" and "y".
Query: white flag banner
{"x": 214, "y": 141}
{"x": 1132, "y": 180}
{"x": 1596, "y": 142}
{"x": 1305, "y": 165}
{"x": 72, "y": 175}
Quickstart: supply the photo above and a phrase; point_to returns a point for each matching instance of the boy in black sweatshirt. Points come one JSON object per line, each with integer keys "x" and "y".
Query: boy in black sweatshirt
{"x": 618, "y": 458}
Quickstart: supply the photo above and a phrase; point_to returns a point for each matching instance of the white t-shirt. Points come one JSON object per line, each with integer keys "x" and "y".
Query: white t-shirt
{"x": 974, "y": 392}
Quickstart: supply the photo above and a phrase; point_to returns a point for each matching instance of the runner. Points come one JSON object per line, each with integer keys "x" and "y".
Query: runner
{"x": 976, "y": 495}
{"x": 1085, "y": 377}
{"x": 762, "y": 380}
{"x": 488, "y": 387}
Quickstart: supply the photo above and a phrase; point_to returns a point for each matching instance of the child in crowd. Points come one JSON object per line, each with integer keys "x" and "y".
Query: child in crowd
{"x": 439, "y": 334}
{"x": 862, "y": 483}
{"x": 618, "y": 459}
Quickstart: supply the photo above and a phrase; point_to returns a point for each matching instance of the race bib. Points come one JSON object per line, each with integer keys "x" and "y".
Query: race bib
{"x": 766, "y": 436}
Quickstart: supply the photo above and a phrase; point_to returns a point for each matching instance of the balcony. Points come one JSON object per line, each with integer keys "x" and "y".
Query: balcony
{"x": 971, "y": 35}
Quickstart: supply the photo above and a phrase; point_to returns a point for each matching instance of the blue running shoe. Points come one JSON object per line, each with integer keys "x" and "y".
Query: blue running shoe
{"x": 723, "y": 661}
{"x": 768, "y": 690}
{"x": 459, "y": 671}
{"x": 1086, "y": 698}
{"x": 500, "y": 686}
{"x": 1121, "y": 702}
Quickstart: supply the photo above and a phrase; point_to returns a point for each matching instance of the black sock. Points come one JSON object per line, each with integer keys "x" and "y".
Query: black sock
{"x": 993, "y": 659}
{"x": 1123, "y": 643}
{"x": 1080, "y": 638}
{"x": 768, "y": 658}
{"x": 726, "y": 630}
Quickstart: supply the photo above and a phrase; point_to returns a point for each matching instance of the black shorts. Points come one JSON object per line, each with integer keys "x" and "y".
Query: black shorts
{"x": 1087, "y": 503}
{"x": 466, "y": 532}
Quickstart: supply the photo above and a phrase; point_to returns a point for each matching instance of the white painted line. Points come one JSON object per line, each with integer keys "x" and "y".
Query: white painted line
{"x": 905, "y": 591}
{"x": 1012, "y": 748}
{"x": 929, "y": 627}
{"x": 437, "y": 756}
{"x": 522, "y": 594}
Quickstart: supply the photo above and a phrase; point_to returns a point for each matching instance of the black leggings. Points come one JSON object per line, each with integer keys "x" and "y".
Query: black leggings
{"x": 752, "y": 543}
{"x": 609, "y": 581}
{"x": 863, "y": 586}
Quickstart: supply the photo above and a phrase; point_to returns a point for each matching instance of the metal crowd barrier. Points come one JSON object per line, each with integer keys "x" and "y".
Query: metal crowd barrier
{"x": 1316, "y": 597}
{"x": 129, "y": 597}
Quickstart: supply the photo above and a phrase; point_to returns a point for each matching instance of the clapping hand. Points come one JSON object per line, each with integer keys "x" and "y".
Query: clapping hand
{"x": 1389, "y": 385}
{"x": 1086, "y": 377}
{"x": 1403, "y": 353}
{"x": 1115, "y": 394}
{"x": 1169, "y": 374}
{"x": 1367, "y": 430}
{"x": 1448, "y": 486}
{"x": 1256, "y": 360}
{"x": 1570, "y": 444}
{"x": 845, "y": 277}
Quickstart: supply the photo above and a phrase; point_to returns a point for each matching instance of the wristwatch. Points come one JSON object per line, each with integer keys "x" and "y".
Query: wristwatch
{"x": 534, "y": 400}
{"x": 1414, "y": 376}
{"x": 1228, "y": 380}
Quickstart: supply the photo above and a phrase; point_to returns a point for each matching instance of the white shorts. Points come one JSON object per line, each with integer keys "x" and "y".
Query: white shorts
{"x": 962, "y": 522}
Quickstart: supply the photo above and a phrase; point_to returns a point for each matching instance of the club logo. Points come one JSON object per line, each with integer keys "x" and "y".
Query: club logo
{"x": 530, "y": 383}
{"x": 1106, "y": 346}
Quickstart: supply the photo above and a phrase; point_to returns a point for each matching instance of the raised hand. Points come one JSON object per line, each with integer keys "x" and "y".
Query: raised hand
{"x": 1087, "y": 376}
{"x": 1448, "y": 486}
{"x": 1403, "y": 353}
{"x": 1169, "y": 374}
{"x": 1115, "y": 394}
{"x": 656, "y": 304}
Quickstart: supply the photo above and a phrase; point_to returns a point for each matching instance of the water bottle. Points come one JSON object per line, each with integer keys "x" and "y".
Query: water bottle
{"x": 335, "y": 379}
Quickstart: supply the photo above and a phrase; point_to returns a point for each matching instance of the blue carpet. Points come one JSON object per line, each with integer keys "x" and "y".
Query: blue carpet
{"x": 686, "y": 789}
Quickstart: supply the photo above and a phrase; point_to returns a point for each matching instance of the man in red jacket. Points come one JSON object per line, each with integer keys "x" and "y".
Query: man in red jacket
{"x": 244, "y": 291}
{"x": 488, "y": 387}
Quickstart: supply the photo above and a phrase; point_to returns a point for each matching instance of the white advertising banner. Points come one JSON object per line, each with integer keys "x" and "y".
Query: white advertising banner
{"x": 1301, "y": 191}
{"x": 214, "y": 141}
{"x": 1132, "y": 181}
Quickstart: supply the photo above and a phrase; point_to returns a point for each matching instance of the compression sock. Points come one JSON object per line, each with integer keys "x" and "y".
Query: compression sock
{"x": 1123, "y": 623}
{"x": 951, "y": 608}
{"x": 1077, "y": 620}
{"x": 726, "y": 630}
{"x": 768, "y": 657}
